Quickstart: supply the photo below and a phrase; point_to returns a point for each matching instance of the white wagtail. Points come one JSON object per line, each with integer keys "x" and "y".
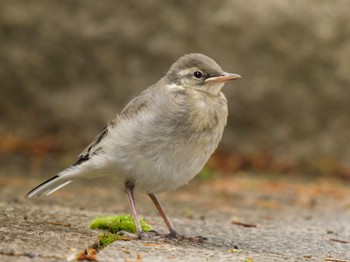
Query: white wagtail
{"x": 162, "y": 138}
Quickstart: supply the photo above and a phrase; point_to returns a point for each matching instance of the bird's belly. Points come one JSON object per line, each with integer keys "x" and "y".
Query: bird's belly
{"x": 165, "y": 152}
{"x": 175, "y": 164}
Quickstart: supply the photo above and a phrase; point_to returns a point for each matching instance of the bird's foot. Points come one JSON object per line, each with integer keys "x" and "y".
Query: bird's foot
{"x": 177, "y": 236}
{"x": 152, "y": 234}
{"x": 128, "y": 234}
{"x": 196, "y": 239}
{"x": 141, "y": 235}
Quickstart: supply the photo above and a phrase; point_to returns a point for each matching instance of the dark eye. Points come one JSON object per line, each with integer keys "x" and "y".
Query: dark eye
{"x": 198, "y": 74}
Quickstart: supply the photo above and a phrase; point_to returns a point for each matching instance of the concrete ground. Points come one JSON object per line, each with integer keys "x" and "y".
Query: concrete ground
{"x": 290, "y": 219}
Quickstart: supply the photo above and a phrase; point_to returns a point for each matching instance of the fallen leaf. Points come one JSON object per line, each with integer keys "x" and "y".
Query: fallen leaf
{"x": 58, "y": 223}
{"x": 153, "y": 244}
{"x": 339, "y": 240}
{"x": 335, "y": 259}
{"x": 88, "y": 254}
{"x": 127, "y": 251}
{"x": 125, "y": 238}
{"x": 235, "y": 222}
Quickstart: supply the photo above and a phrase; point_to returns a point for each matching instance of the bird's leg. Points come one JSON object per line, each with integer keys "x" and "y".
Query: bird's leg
{"x": 173, "y": 233}
{"x": 129, "y": 188}
{"x": 172, "y": 230}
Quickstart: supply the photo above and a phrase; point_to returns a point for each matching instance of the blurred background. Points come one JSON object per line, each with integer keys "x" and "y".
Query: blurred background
{"x": 67, "y": 67}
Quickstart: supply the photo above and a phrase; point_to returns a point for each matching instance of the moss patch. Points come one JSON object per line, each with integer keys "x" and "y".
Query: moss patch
{"x": 107, "y": 238}
{"x": 206, "y": 173}
{"x": 115, "y": 224}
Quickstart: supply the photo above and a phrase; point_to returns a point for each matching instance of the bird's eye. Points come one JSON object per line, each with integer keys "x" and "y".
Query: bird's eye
{"x": 198, "y": 74}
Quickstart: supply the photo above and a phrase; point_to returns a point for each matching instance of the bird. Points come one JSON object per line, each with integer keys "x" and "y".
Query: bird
{"x": 161, "y": 139}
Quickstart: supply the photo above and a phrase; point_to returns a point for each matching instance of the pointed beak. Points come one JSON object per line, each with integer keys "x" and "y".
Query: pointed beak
{"x": 223, "y": 77}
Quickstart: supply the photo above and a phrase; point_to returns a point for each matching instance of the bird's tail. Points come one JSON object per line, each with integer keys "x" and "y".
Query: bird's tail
{"x": 56, "y": 182}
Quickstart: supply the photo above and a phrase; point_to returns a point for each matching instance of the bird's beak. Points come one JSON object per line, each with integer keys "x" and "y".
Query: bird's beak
{"x": 223, "y": 77}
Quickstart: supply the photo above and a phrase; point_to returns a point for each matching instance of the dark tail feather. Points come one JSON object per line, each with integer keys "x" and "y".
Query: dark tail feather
{"x": 54, "y": 183}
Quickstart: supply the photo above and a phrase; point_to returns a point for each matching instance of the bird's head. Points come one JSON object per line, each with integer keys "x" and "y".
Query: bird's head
{"x": 200, "y": 72}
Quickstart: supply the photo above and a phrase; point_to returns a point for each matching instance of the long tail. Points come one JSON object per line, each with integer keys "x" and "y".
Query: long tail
{"x": 56, "y": 182}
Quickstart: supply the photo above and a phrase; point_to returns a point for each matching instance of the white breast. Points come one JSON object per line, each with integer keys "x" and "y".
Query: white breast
{"x": 165, "y": 148}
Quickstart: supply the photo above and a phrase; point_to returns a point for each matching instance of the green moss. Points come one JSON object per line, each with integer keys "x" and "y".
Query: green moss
{"x": 115, "y": 224}
{"x": 206, "y": 173}
{"x": 107, "y": 238}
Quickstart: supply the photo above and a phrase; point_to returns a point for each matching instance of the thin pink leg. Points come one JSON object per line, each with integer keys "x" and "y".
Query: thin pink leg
{"x": 164, "y": 216}
{"x": 130, "y": 193}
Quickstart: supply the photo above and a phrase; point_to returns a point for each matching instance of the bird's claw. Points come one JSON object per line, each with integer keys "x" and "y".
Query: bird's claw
{"x": 197, "y": 239}
{"x": 154, "y": 234}
{"x": 142, "y": 235}
{"x": 177, "y": 236}
{"x": 128, "y": 234}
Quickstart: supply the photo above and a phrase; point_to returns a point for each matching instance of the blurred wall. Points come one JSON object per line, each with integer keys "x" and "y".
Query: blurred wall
{"x": 66, "y": 67}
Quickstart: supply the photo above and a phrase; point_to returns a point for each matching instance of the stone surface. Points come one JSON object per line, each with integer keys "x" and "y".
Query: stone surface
{"x": 296, "y": 220}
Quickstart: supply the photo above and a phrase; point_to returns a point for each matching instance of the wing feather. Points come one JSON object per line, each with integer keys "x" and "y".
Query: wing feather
{"x": 132, "y": 108}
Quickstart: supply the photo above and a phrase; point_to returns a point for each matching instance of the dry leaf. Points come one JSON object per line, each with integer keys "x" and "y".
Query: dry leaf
{"x": 235, "y": 222}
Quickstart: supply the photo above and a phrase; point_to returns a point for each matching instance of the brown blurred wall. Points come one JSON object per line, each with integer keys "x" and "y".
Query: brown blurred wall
{"x": 66, "y": 67}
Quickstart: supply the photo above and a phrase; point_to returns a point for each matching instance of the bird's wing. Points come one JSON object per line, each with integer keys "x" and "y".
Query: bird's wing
{"x": 67, "y": 176}
{"x": 93, "y": 147}
{"x": 138, "y": 103}
{"x": 133, "y": 107}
